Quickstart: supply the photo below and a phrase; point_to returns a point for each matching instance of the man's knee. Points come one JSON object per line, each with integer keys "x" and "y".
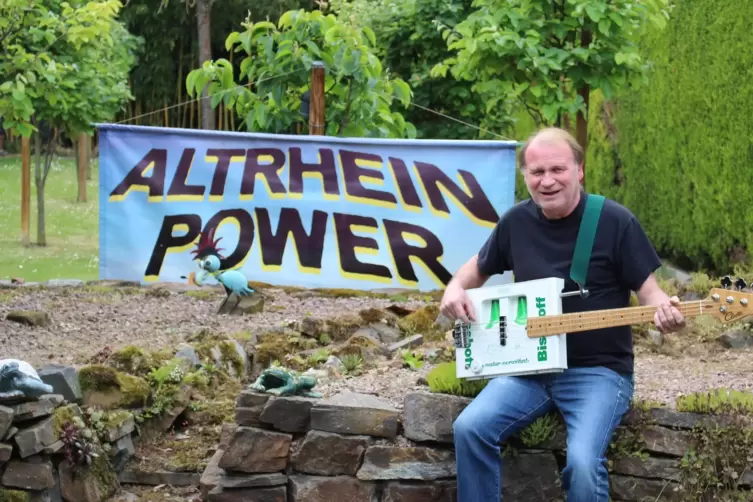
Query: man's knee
{"x": 470, "y": 426}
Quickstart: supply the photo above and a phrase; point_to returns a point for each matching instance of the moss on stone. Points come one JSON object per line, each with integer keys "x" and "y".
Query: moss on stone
{"x": 8, "y": 495}
{"x": 63, "y": 415}
{"x": 230, "y": 355}
{"x": 340, "y": 328}
{"x": 133, "y": 360}
{"x": 97, "y": 377}
{"x": 108, "y": 387}
{"x": 422, "y": 321}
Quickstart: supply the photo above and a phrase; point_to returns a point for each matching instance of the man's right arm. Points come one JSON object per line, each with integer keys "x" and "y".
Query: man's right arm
{"x": 469, "y": 276}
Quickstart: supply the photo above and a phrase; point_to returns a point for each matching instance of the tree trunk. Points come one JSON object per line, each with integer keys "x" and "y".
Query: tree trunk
{"x": 203, "y": 20}
{"x": 39, "y": 183}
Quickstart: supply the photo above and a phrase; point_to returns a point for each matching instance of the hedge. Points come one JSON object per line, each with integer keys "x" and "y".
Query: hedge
{"x": 678, "y": 152}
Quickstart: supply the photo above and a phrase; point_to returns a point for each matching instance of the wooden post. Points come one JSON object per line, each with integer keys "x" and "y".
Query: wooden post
{"x": 316, "y": 107}
{"x": 82, "y": 158}
{"x": 25, "y": 188}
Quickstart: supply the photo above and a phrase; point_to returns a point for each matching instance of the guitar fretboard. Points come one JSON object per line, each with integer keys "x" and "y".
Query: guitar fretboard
{"x": 596, "y": 319}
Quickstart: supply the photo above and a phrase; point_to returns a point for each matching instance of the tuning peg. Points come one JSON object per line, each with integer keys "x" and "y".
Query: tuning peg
{"x": 740, "y": 284}
{"x": 726, "y": 282}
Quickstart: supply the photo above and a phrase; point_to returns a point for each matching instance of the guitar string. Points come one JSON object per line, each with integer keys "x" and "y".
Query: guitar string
{"x": 593, "y": 320}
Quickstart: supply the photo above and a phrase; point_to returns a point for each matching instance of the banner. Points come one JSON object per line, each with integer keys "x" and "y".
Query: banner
{"x": 309, "y": 211}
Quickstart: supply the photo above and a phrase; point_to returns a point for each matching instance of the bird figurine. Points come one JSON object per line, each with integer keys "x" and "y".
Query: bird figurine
{"x": 212, "y": 265}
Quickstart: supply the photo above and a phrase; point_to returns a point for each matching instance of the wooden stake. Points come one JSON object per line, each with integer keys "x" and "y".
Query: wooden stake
{"x": 25, "y": 188}
{"x": 82, "y": 158}
{"x": 316, "y": 106}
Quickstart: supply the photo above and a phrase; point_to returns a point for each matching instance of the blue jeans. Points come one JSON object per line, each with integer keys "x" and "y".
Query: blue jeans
{"x": 592, "y": 402}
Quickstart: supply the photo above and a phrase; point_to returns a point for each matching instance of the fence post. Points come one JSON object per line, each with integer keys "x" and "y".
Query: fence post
{"x": 25, "y": 188}
{"x": 82, "y": 160}
{"x": 316, "y": 111}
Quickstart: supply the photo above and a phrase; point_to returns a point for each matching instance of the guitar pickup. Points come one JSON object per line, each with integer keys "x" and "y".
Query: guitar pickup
{"x": 461, "y": 332}
{"x": 503, "y": 331}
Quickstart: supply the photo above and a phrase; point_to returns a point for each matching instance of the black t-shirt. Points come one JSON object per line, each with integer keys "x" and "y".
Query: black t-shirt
{"x": 534, "y": 247}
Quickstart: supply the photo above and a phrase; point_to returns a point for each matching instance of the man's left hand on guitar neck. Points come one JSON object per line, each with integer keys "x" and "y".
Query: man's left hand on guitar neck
{"x": 667, "y": 318}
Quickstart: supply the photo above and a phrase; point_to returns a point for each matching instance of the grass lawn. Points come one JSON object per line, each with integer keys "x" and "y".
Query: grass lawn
{"x": 71, "y": 227}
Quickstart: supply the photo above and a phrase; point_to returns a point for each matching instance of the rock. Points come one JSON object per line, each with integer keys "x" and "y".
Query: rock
{"x": 255, "y": 450}
{"x": 354, "y": 413}
{"x": 394, "y": 462}
{"x": 32, "y": 409}
{"x": 249, "y": 407}
{"x": 235, "y": 481}
{"x": 6, "y": 450}
{"x": 288, "y": 413}
{"x": 407, "y": 343}
{"x": 275, "y": 494}
{"x": 187, "y": 353}
{"x": 651, "y": 467}
{"x": 29, "y": 318}
{"x": 399, "y": 491}
{"x": 212, "y": 473}
{"x": 121, "y": 452}
{"x": 242, "y": 305}
{"x": 641, "y": 489}
{"x": 6, "y": 418}
{"x": 666, "y": 441}
{"x": 155, "y": 478}
{"x": 656, "y": 337}
{"x": 329, "y": 489}
{"x": 533, "y": 477}
{"x": 64, "y": 381}
{"x": 36, "y": 438}
{"x": 28, "y": 475}
{"x": 107, "y": 388}
{"x": 328, "y": 454}
{"x": 64, "y": 283}
{"x": 380, "y": 332}
{"x": 429, "y": 417}
{"x": 118, "y": 425}
{"x": 736, "y": 339}
{"x": 93, "y": 484}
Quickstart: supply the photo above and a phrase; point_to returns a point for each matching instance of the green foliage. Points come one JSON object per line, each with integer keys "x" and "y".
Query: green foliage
{"x": 442, "y": 379}
{"x": 275, "y": 74}
{"x": 412, "y": 360}
{"x": 66, "y": 63}
{"x": 681, "y": 143}
{"x": 713, "y": 469}
{"x": 353, "y": 363}
{"x": 539, "y": 53}
{"x": 540, "y": 431}
{"x": 410, "y": 45}
{"x": 717, "y": 401}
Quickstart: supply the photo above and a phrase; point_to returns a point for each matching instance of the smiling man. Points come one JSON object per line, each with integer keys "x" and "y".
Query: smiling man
{"x": 536, "y": 239}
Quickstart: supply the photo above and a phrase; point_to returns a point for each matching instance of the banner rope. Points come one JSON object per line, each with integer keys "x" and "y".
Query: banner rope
{"x": 184, "y": 103}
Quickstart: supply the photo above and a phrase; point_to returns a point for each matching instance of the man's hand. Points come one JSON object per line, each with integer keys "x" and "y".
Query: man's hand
{"x": 456, "y": 304}
{"x": 668, "y": 318}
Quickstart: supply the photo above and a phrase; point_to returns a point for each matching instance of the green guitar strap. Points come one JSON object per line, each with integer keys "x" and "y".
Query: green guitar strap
{"x": 585, "y": 241}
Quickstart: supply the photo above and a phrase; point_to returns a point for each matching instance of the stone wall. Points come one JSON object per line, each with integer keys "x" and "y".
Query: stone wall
{"x": 34, "y": 464}
{"x": 356, "y": 447}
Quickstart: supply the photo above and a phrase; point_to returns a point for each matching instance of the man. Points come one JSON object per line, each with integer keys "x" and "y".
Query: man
{"x": 536, "y": 239}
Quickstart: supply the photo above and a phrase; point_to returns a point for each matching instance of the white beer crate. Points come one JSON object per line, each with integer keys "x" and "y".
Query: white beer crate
{"x": 497, "y": 343}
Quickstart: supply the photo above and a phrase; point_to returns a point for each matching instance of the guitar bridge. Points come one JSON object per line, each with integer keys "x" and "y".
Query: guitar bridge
{"x": 461, "y": 332}
{"x": 503, "y": 331}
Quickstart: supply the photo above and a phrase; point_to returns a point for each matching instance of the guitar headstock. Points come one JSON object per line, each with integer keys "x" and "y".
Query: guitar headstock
{"x": 730, "y": 302}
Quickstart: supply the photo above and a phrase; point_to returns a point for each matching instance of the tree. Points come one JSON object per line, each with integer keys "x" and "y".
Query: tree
{"x": 547, "y": 55}
{"x": 276, "y": 72}
{"x": 64, "y": 65}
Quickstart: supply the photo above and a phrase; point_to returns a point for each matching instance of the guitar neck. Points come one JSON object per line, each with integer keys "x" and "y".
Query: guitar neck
{"x": 596, "y": 319}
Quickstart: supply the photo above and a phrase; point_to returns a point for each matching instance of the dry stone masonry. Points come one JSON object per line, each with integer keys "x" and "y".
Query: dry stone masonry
{"x": 356, "y": 447}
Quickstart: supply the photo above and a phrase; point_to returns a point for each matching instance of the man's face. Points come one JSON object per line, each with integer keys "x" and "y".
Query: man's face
{"x": 553, "y": 178}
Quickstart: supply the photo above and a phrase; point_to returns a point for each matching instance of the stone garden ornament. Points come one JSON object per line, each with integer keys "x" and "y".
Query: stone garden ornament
{"x": 281, "y": 382}
{"x": 19, "y": 380}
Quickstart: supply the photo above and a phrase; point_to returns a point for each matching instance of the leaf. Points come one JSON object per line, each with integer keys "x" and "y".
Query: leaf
{"x": 594, "y": 11}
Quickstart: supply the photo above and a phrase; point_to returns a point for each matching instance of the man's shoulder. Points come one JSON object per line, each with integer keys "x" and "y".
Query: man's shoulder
{"x": 616, "y": 213}
{"x": 521, "y": 209}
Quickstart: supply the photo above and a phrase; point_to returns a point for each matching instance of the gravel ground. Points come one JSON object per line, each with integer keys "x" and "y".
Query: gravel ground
{"x": 84, "y": 322}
